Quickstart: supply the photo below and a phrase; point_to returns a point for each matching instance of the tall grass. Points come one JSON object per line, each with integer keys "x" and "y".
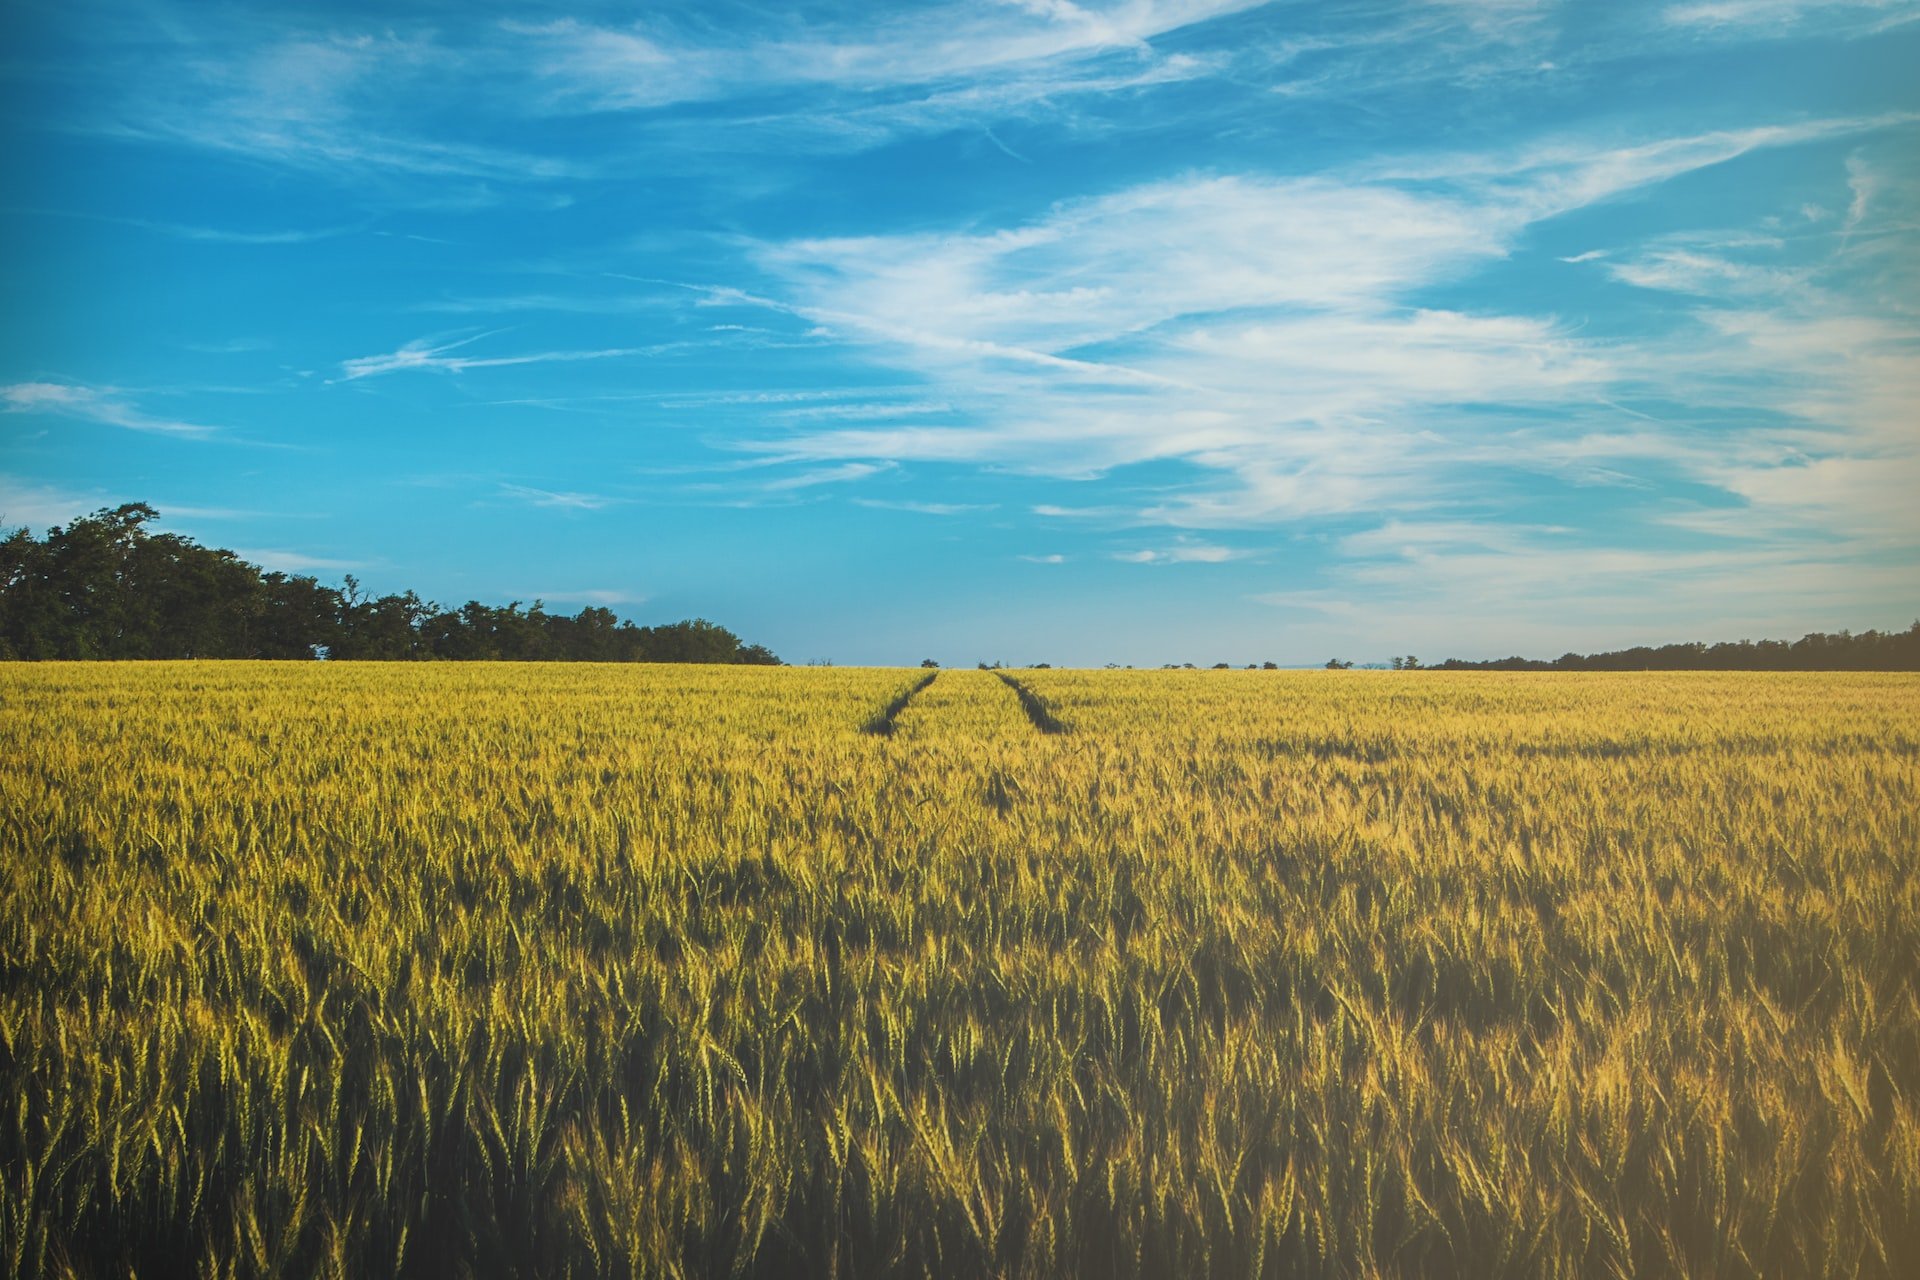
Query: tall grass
{"x": 601, "y": 970}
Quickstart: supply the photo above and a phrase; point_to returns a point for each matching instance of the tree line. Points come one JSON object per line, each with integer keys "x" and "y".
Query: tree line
{"x": 1845, "y": 651}
{"x": 107, "y": 586}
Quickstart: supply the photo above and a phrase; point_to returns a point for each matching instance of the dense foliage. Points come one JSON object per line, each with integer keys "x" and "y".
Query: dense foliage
{"x": 106, "y": 586}
{"x": 1866, "y": 651}
{"x": 370, "y": 969}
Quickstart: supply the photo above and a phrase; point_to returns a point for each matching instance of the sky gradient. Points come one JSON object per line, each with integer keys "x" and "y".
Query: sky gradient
{"x": 1162, "y": 330}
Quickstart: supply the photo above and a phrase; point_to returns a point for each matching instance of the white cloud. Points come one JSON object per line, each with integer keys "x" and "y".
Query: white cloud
{"x": 924, "y": 508}
{"x": 1863, "y": 185}
{"x": 1412, "y": 538}
{"x": 1544, "y": 180}
{"x": 36, "y": 505}
{"x": 582, "y": 304}
{"x": 716, "y": 398}
{"x": 605, "y": 597}
{"x": 1265, "y": 335}
{"x": 415, "y": 109}
{"x": 368, "y": 101}
{"x": 1369, "y": 362}
{"x": 586, "y": 66}
{"x": 1509, "y": 591}
{"x": 221, "y": 235}
{"x": 1782, "y": 15}
{"x": 24, "y": 397}
{"x": 26, "y": 503}
{"x": 178, "y": 511}
{"x": 1053, "y": 511}
{"x": 217, "y": 235}
{"x": 1867, "y": 496}
{"x": 561, "y": 500}
{"x": 230, "y": 347}
{"x": 105, "y": 405}
{"x": 1685, "y": 271}
{"x": 1097, "y": 270}
{"x": 331, "y": 103}
{"x": 279, "y": 560}
{"x": 430, "y": 355}
{"x": 1182, "y": 551}
{"x": 857, "y": 411}
{"x": 826, "y": 475}
{"x": 1255, "y": 327}
{"x": 1840, "y": 368}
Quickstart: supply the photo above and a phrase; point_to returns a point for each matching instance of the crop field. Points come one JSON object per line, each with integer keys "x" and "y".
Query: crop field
{"x": 492, "y": 969}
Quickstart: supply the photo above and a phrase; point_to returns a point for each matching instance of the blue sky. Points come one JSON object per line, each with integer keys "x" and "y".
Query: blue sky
{"x": 1160, "y": 330}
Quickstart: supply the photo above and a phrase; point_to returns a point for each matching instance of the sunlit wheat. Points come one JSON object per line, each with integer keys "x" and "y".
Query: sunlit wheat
{"x": 361, "y": 969}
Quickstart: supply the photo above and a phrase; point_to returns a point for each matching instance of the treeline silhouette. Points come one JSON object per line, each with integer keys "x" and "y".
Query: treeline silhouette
{"x": 106, "y": 586}
{"x": 1867, "y": 651}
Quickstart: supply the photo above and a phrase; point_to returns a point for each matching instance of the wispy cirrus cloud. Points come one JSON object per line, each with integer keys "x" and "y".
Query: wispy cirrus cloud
{"x": 1544, "y": 179}
{"x": 1182, "y": 551}
{"x": 605, "y": 597}
{"x": 842, "y": 474}
{"x": 1779, "y": 16}
{"x": 1263, "y": 334}
{"x": 1067, "y": 291}
{"x": 556, "y": 499}
{"x": 37, "y": 505}
{"x": 107, "y": 406}
{"x": 33, "y": 505}
{"x": 1255, "y": 327}
{"x": 867, "y": 410}
{"x": 418, "y": 108}
{"x": 213, "y": 235}
{"x": 578, "y": 303}
{"x": 1505, "y": 595}
{"x": 925, "y": 508}
{"x": 283, "y": 560}
{"x": 585, "y": 65}
{"x": 431, "y": 355}
{"x": 1684, "y": 270}
{"x": 417, "y": 102}
{"x": 1053, "y": 511}
{"x": 346, "y": 103}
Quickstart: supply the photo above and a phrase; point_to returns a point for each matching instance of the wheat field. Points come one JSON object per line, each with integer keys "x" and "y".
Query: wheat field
{"x": 491, "y": 969}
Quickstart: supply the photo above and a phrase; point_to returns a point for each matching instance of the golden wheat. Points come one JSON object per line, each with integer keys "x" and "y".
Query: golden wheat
{"x": 358, "y": 969}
